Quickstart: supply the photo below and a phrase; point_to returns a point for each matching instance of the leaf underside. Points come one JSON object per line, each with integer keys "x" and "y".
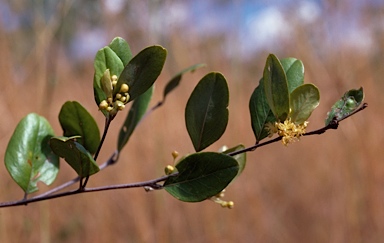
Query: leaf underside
{"x": 75, "y": 155}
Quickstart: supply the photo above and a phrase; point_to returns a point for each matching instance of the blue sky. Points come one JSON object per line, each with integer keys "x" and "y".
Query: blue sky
{"x": 264, "y": 24}
{"x": 254, "y": 25}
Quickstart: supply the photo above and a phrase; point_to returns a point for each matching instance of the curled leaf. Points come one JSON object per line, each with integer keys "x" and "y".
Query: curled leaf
{"x": 350, "y": 101}
{"x": 28, "y": 157}
{"x": 175, "y": 81}
{"x": 75, "y": 155}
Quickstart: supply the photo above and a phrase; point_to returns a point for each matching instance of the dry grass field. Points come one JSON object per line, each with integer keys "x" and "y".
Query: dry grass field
{"x": 327, "y": 188}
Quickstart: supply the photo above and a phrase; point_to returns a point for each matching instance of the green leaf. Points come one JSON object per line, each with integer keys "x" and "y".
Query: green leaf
{"x": 294, "y": 70}
{"x": 122, "y": 50}
{"x": 28, "y": 157}
{"x": 350, "y": 101}
{"x": 137, "y": 111}
{"x": 76, "y": 121}
{"x": 105, "y": 59}
{"x": 276, "y": 87}
{"x": 75, "y": 155}
{"x": 304, "y": 100}
{"x": 175, "y": 81}
{"x": 201, "y": 176}
{"x": 261, "y": 114}
{"x": 142, "y": 71}
{"x": 206, "y": 113}
{"x": 240, "y": 158}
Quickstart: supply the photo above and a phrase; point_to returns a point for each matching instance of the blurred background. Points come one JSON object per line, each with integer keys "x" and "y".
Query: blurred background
{"x": 326, "y": 188}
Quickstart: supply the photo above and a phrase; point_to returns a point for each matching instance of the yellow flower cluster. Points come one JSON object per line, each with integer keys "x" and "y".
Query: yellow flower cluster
{"x": 288, "y": 130}
{"x": 116, "y": 103}
{"x": 224, "y": 204}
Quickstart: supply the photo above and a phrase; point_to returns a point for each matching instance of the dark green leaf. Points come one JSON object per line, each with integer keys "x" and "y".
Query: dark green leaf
{"x": 261, "y": 114}
{"x": 28, "y": 157}
{"x": 206, "y": 114}
{"x": 75, "y": 155}
{"x": 240, "y": 158}
{"x": 175, "y": 81}
{"x": 137, "y": 111}
{"x": 76, "y": 121}
{"x": 122, "y": 50}
{"x": 294, "y": 70}
{"x": 276, "y": 87}
{"x": 142, "y": 71}
{"x": 304, "y": 100}
{"x": 350, "y": 101}
{"x": 201, "y": 176}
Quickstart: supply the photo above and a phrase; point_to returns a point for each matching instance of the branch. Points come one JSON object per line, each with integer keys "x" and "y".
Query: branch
{"x": 108, "y": 121}
{"x": 147, "y": 185}
{"x": 152, "y": 184}
{"x": 110, "y": 161}
{"x": 332, "y": 125}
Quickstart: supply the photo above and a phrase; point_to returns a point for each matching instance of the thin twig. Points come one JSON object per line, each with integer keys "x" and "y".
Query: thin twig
{"x": 153, "y": 184}
{"x": 106, "y": 127}
{"x": 108, "y": 120}
{"x": 107, "y": 163}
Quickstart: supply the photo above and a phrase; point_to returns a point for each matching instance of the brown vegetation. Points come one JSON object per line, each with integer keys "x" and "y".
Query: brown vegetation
{"x": 326, "y": 188}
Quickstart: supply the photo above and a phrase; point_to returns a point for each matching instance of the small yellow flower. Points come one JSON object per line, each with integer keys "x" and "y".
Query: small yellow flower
{"x": 271, "y": 128}
{"x": 288, "y": 130}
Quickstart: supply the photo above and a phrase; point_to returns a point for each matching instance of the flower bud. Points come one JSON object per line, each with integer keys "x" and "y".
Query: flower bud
{"x": 230, "y": 204}
{"x": 175, "y": 154}
{"x": 103, "y": 105}
{"x": 124, "y": 88}
{"x": 169, "y": 169}
{"x": 114, "y": 82}
{"x": 106, "y": 84}
{"x": 120, "y": 105}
